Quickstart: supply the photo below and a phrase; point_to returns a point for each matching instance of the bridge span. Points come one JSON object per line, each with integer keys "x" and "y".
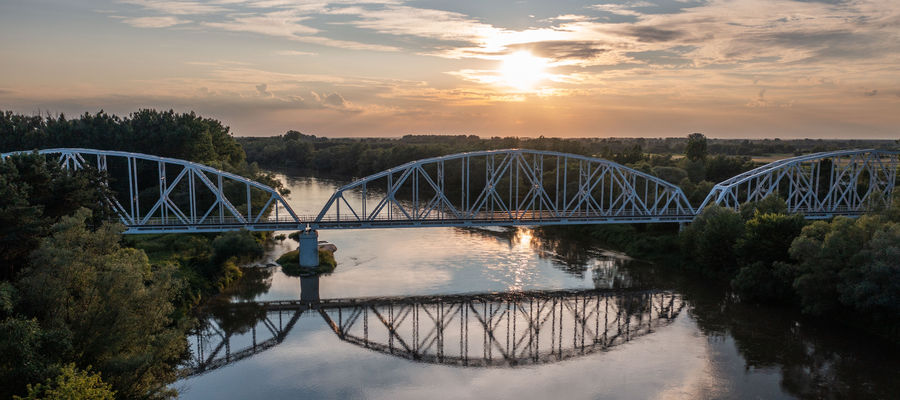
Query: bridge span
{"x": 484, "y": 188}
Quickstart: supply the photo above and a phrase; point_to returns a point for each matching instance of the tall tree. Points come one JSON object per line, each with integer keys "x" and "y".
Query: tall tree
{"x": 115, "y": 306}
{"x": 696, "y": 147}
{"x": 34, "y": 194}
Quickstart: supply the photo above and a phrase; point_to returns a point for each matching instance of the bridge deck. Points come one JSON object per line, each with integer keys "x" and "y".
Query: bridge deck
{"x": 159, "y": 226}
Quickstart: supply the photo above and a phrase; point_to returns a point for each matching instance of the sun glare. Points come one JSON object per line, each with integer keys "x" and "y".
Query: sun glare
{"x": 522, "y": 70}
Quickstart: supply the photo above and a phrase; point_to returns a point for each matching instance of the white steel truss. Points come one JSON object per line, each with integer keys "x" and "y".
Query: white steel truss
{"x": 820, "y": 185}
{"x": 157, "y": 194}
{"x": 505, "y": 187}
{"x": 485, "y": 188}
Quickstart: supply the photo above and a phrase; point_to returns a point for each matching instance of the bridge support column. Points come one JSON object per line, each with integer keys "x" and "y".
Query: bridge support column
{"x": 309, "y": 248}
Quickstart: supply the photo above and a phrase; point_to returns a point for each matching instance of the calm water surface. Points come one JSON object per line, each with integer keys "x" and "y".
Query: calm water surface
{"x": 427, "y": 318}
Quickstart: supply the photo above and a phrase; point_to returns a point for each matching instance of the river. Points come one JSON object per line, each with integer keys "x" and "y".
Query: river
{"x": 448, "y": 313}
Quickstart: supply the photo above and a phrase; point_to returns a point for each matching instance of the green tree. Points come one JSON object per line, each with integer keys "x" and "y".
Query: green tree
{"x": 71, "y": 383}
{"x": 871, "y": 284}
{"x": 824, "y": 249}
{"x": 711, "y": 239}
{"x": 115, "y": 307}
{"x": 292, "y": 135}
{"x": 670, "y": 174}
{"x": 34, "y": 194}
{"x": 30, "y": 353}
{"x": 762, "y": 252}
{"x": 695, "y": 150}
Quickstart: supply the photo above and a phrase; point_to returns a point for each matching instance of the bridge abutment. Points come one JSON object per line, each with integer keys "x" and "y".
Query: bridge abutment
{"x": 309, "y": 248}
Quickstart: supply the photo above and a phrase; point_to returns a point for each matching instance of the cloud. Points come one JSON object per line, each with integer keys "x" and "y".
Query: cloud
{"x": 333, "y": 99}
{"x": 154, "y": 22}
{"x": 281, "y": 24}
{"x": 295, "y": 53}
{"x": 564, "y": 49}
{"x": 420, "y": 22}
{"x": 650, "y": 34}
{"x": 261, "y": 88}
{"x": 286, "y": 24}
{"x": 177, "y": 7}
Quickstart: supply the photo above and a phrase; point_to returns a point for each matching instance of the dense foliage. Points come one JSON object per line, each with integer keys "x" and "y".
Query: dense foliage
{"x": 75, "y": 296}
{"x": 71, "y": 383}
{"x": 162, "y": 133}
{"x": 845, "y": 268}
{"x": 84, "y": 299}
{"x": 34, "y": 194}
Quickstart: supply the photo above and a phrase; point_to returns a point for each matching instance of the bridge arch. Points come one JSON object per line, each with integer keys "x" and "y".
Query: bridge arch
{"x": 160, "y": 194}
{"x": 505, "y": 187}
{"x": 819, "y": 185}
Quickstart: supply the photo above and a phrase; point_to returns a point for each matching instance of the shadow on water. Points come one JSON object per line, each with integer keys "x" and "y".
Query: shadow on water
{"x": 471, "y": 330}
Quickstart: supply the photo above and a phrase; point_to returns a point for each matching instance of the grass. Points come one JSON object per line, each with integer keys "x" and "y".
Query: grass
{"x": 290, "y": 263}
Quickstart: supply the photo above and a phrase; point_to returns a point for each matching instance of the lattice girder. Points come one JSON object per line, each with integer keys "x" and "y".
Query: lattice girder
{"x": 847, "y": 182}
{"x": 159, "y": 194}
{"x": 508, "y": 186}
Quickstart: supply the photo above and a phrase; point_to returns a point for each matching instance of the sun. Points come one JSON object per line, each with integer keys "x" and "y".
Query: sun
{"x": 522, "y": 70}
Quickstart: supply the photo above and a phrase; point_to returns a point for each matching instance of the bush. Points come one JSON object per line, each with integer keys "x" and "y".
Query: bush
{"x": 670, "y": 174}
{"x": 711, "y": 239}
{"x": 239, "y": 245}
{"x": 290, "y": 263}
{"x": 762, "y": 252}
{"x": 71, "y": 383}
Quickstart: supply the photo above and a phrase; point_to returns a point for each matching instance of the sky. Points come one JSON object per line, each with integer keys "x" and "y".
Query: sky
{"x": 564, "y": 68}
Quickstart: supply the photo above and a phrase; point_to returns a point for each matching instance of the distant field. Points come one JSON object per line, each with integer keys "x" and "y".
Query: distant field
{"x": 771, "y": 157}
{"x": 762, "y": 159}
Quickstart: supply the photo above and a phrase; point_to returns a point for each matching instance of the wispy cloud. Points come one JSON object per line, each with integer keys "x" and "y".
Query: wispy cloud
{"x": 177, "y": 7}
{"x": 295, "y": 53}
{"x": 154, "y": 22}
{"x": 280, "y": 23}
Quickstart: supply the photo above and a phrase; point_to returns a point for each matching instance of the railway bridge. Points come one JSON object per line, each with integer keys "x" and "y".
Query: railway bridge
{"x": 511, "y": 187}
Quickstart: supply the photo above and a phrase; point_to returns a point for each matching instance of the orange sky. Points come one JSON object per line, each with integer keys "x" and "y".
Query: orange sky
{"x": 786, "y": 69}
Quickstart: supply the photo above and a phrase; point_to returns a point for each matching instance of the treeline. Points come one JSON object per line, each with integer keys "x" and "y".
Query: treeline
{"x": 360, "y": 157}
{"x": 85, "y": 310}
{"x": 694, "y": 169}
{"x": 162, "y": 133}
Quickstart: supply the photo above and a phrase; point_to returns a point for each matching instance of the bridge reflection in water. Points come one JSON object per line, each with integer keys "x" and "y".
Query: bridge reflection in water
{"x": 474, "y": 330}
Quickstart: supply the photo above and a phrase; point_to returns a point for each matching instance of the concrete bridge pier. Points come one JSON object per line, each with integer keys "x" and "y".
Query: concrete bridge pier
{"x": 309, "y": 248}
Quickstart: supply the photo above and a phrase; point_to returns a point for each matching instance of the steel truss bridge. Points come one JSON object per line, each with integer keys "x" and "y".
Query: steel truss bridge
{"x": 498, "y": 188}
{"x": 478, "y": 330}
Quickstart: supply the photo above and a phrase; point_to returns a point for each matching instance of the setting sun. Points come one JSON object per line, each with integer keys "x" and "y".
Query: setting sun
{"x": 522, "y": 70}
